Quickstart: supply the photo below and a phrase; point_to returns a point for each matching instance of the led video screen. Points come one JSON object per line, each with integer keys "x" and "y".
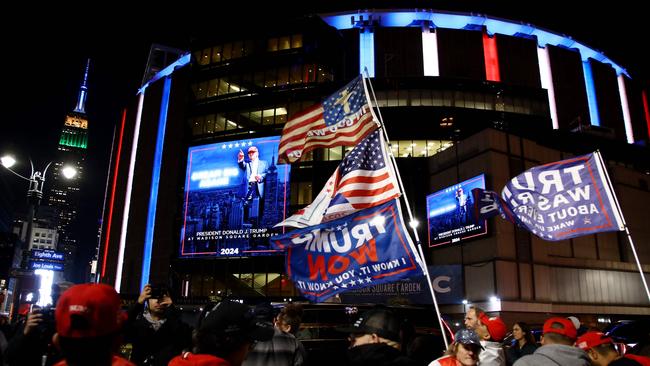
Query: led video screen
{"x": 449, "y": 213}
{"x": 234, "y": 194}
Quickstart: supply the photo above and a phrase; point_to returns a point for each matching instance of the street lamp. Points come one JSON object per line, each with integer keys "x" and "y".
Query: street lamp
{"x": 34, "y": 195}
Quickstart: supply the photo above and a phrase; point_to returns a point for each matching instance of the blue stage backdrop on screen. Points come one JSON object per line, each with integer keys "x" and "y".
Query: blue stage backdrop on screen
{"x": 234, "y": 194}
{"x": 449, "y": 213}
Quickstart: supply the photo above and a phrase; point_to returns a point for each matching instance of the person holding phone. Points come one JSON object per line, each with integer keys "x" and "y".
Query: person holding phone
{"x": 154, "y": 328}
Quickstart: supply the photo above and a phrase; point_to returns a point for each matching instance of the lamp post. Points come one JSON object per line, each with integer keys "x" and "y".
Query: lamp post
{"x": 34, "y": 195}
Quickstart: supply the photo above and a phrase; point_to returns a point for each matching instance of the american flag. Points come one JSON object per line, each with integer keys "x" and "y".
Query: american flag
{"x": 343, "y": 119}
{"x": 365, "y": 178}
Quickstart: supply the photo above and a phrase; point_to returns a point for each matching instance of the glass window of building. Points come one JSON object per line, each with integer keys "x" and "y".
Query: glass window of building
{"x": 324, "y": 74}
{"x": 202, "y": 90}
{"x": 283, "y": 76}
{"x": 296, "y": 41}
{"x": 223, "y": 87}
{"x": 271, "y": 78}
{"x": 259, "y": 79}
{"x": 237, "y": 49}
{"x": 296, "y": 74}
{"x": 249, "y": 47}
{"x": 272, "y": 45}
{"x": 216, "y": 54}
{"x": 220, "y": 123}
{"x": 310, "y": 73}
{"x": 267, "y": 116}
{"x": 213, "y": 85}
{"x": 334, "y": 153}
{"x": 301, "y": 193}
{"x": 280, "y": 115}
{"x": 209, "y": 123}
{"x": 227, "y": 52}
{"x": 284, "y": 43}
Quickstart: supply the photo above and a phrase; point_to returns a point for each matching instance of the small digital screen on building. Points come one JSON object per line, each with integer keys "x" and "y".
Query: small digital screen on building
{"x": 234, "y": 194}
{"x": 449, "y": 213}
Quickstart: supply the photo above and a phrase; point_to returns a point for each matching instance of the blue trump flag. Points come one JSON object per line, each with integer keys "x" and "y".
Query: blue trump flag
{"x": 363, "y": 249}
{"x": 557, "y": 201}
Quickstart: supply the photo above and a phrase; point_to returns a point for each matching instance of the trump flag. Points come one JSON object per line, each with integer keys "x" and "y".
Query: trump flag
{"x": 557, "y": 201}
{"x": 364, "y": 178}
{"x": 366, "y": 248}
{"x": 343, "y": 119}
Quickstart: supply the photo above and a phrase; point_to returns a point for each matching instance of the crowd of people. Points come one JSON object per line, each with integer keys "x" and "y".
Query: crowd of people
{"x": 89, "y": 327}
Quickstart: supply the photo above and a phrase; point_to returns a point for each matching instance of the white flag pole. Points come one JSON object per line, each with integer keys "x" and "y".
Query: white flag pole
{"x": 423, "y": 263}
{"x": 612, "y": 195}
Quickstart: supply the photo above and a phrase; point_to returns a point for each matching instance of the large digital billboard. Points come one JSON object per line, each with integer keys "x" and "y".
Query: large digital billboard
{"x": 234, "y": 194}
{"x": 449, "y": 213}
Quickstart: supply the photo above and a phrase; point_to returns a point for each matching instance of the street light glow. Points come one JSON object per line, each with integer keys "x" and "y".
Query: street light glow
{"x": 8, "y": 161}
{"x": 69, "y": 172}
{"x": 414, "y": 223}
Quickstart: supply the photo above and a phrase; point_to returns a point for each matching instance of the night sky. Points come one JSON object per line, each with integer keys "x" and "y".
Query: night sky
{"x": 42, "y": 71}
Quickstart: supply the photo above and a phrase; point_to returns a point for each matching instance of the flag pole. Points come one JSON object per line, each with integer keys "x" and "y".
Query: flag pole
{"x": 620, "y": 214}
{"x": 408, "y": 206}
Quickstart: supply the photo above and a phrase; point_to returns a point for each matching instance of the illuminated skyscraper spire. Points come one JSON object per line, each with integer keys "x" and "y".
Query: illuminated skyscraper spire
{"x": 81, "y": 102}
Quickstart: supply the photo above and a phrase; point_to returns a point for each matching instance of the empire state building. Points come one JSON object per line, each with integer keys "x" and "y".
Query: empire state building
{"x": 64, "y": 194}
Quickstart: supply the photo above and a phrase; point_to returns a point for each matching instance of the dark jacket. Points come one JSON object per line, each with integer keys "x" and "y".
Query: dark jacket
{"x": 28, "y": 350}
{"x": 377, "y": 354}
{"x": 156, "y": 347}
{"x": 514, "y": 353}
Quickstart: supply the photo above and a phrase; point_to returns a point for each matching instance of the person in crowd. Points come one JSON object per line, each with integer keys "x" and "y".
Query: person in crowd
{"x": 601, "y": 351}
{"x": 471, "y": 317}
{"x": 375, "y": 340}
{"x": 557, "y": 348}
{"x": 31, "y": 343}
{"x": 88, "y": 325}
{"x": 524, "y": 343}
{"x": 283, "y": 349}
{"x": 225, "y": 334}
{"x": 424, "y": 348}
{"x": 154, "y": 328}
{"x": 490, "y": 331}
{"x": 463, "y": 351}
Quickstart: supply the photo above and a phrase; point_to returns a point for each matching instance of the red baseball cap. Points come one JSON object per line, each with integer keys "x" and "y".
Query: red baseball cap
{"x": 592, "y": 339}
{"x": 496, "y": 327}
{"x": 88, "y": 310}
{"x": 567, "y": 329}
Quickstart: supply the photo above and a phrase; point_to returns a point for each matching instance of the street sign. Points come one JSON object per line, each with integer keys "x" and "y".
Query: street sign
{"x": 47, "y": 255}
{"x": 52, "y": 266}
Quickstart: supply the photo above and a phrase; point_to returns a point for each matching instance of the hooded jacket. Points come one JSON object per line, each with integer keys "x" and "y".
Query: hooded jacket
{"x": 492, "y": 355}
{"x": 555, "y": 355}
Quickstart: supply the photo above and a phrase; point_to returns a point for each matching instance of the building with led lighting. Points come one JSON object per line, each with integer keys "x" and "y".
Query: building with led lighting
{"x": 461, "y": 95}
{"x": 64, "y": 194}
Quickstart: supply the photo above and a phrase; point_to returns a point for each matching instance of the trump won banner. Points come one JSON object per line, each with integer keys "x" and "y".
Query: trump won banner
{"x": 559, "y": 200}
{"x": 366, "y": 248}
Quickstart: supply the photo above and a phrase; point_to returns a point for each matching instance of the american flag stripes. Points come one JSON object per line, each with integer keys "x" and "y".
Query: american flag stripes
{"x": 343, "y": 119}
{"x": 365, "y": 178}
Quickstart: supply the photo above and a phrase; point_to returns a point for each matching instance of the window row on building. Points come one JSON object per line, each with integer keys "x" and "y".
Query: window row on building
{"x": 462, "y": 99}
{"x": 238, "y": 49}
{"x": 270, "y": 78}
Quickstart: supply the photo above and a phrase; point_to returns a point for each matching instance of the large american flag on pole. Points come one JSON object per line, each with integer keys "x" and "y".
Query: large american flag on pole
{"x": 343, "y": 119}
{"x": 364, "y": 178}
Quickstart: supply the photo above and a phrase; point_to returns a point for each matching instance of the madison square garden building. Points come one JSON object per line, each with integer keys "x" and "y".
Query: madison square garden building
{"x": 468, "y": 101}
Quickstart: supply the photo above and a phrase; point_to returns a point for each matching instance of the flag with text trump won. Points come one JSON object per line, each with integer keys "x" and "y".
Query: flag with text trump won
{"x": 364, "y": 178}
{"x": 557, "y": 201}
{"x": 366, "y": 248}
{"x": 343, "y": 119}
